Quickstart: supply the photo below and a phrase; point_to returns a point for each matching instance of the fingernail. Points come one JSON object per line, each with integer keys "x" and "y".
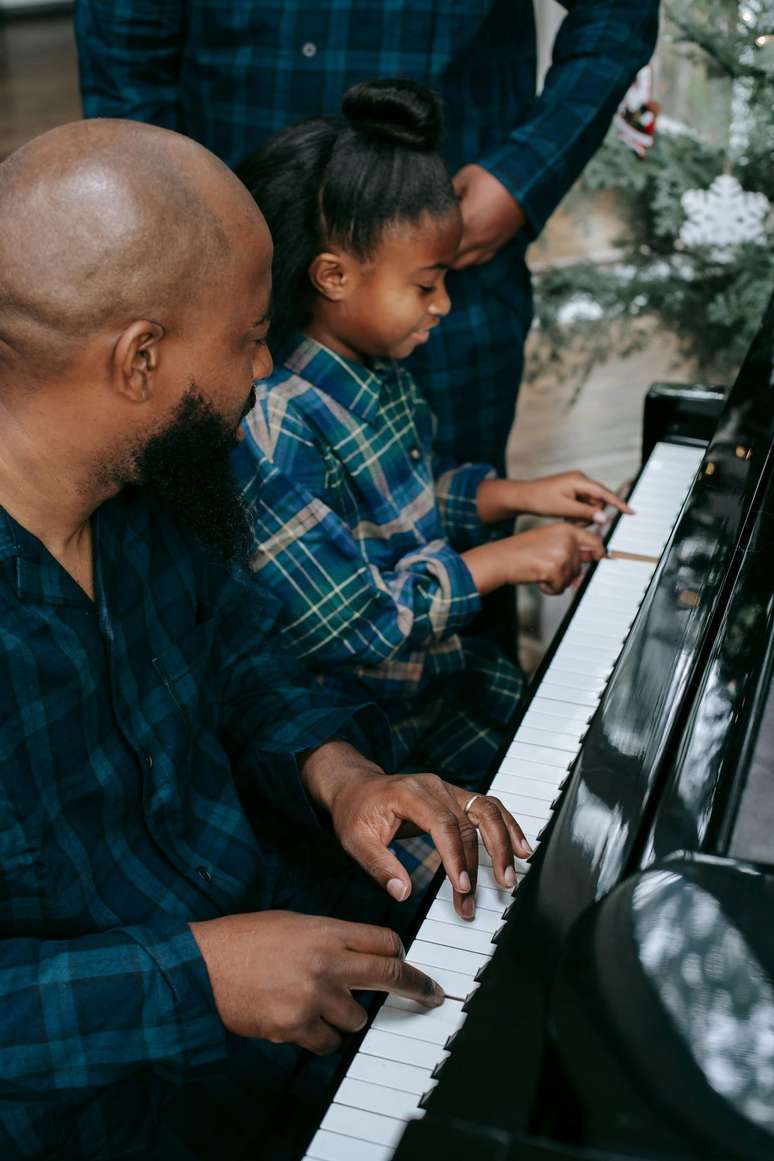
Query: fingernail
{"x": 527, "y": 847}
{"x": 398, "y": 889}
{"x": 600, "y": 517}
{"x": 439, "y": 995}
{"x": 464, "y": 881}
{"x": 510, "y": 876}
{"x": 468, "y": 907}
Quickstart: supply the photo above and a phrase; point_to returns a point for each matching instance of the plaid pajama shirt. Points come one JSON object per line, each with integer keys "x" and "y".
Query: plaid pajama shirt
{"x": 359, "y": 529}
{"x": 230, "y": 74}
{"x": 147, "y": 780}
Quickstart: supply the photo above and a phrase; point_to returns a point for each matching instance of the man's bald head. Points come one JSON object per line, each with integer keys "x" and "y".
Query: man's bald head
{"x": 104, "y": 222}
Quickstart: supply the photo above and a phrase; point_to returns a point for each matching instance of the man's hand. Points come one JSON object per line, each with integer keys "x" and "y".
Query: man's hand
{"x": 369, "y": 809}
{"x": 490, "y": 216}
{"x": 288, "y": 978}
{"x": 569, "y": 495}
{"x": 549, "y": 557}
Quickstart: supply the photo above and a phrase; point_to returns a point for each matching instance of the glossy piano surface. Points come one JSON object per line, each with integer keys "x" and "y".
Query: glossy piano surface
{"x": 564, "y": 1052}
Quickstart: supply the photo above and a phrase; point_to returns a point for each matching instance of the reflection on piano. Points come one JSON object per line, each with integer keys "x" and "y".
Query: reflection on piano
{"x": 621, "y": 1003}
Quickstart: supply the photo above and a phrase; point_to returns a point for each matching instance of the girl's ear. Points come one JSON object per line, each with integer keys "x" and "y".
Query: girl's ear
{"x": 333, "y": 275}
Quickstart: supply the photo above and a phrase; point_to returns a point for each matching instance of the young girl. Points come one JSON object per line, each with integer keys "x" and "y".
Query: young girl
{"x": 379, "y": 552}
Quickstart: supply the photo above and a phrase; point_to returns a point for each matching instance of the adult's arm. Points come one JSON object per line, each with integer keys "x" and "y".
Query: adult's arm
{"x": 599, "y": 48}
{"x": 129, "y": 54}
{"x": 80, "y": 1014}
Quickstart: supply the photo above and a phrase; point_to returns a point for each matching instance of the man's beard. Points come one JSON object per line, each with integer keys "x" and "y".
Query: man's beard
{"x": 186, "y": 468}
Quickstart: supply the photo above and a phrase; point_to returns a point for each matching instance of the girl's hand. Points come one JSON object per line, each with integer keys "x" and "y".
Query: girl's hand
{"x": 572, "y": 496}
{"x": 550, "y": 557}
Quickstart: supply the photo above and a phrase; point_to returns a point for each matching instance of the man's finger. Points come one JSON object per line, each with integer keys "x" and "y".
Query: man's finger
{"x": 380, "y": 863}
{"x": 344, "y": 1013}
{"x": 320, "y": 1039}
{"x": 372, "y": 940}
{"x": 489, "y": 814}
{"x": 387, "y": 974}
{"x": 450, "y": 830}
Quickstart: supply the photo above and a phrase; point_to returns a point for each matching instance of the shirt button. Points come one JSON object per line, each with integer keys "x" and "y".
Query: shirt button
{"x": 309, "y": 49}
{"x": 415, "y": 454}
{"x": 203, "y": 873}
{"x": 147, "y": 758}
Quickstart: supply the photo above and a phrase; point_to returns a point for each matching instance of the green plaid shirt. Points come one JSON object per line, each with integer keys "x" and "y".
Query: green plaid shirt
{"x": 359, "y": 530}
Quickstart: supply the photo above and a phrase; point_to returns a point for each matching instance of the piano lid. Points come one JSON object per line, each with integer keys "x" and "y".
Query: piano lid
{"x": 600, "y": 827}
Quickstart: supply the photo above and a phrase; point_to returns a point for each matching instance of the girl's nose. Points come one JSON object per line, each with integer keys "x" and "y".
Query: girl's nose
{"x": 442, "y": 305}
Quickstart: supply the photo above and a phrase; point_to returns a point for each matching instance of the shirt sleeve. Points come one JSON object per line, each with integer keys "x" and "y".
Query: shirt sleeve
{"x": 337, "y": 607}
{"x": 80, "y": 1014}
{"x": 599, "y": 49}
{"x": 456, "y": 489}
{"x": 129, "y": 56}
{"x": 272, "y": 708}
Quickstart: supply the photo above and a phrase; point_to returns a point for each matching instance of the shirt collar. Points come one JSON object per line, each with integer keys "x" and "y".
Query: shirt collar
{"x": 353, "y": 385}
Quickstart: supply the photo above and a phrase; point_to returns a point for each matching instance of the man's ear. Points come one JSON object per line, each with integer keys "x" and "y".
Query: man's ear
{"x": 333, "y": 275}
{"x": 136, "y": 359}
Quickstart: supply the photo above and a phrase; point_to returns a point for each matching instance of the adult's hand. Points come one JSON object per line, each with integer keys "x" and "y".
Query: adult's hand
{"x": 288, "y": 978}
{"x": 369, "y": 809}
{"x": 490, "y": 216}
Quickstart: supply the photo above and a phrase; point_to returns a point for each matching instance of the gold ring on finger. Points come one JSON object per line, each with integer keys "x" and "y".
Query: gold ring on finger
{"x": 466, "y": 808}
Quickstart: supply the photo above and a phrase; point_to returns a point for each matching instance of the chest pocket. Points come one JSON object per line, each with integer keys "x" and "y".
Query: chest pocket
{"x": 187, "y": 669}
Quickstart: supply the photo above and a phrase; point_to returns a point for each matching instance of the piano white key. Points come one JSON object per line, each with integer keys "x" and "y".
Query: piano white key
{"x": 363, "y": 1126}
{"x": 484, "y": 922}
{"x": 539, "y": 755}
{"x": 327, "y": 1146}
{"x": 376, "y": 1098}
{"x": 404, "y": 1077}
{"x": 556, "y": 739}
{"x": 457, "y": 935}
{"x": 521, "y": 808}
{"x": 485, "y": 899}
{"x": 574, "y": 697}
{"x": 449, "y": 958}
{"x": 399, "y": 1048}
{"x": 458, "y": 985}
{"x": 554, "y": 719}
{"x": 529, "y": 787}
{"x": 419, "y": 1025}
{"x": 518, "y": 767}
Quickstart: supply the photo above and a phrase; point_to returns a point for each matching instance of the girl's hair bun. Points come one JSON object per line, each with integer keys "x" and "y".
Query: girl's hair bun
{"x": 398, "y": 111}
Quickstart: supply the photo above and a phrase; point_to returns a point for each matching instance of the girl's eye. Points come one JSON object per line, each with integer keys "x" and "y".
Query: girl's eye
{"x": 426, "y": 289}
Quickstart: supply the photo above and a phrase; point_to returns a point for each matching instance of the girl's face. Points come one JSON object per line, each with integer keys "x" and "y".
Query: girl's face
{"x": 387, "y": 306}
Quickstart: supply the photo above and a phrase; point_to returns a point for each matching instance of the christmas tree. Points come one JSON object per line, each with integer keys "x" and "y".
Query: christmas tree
{"x": 697, "y": 252}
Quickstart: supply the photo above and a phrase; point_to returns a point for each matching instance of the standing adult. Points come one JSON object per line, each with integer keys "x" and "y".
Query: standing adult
{"x": 229, "y": 75}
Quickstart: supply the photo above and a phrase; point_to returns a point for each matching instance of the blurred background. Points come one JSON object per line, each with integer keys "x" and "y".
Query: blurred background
{"x": 657, "y": 266}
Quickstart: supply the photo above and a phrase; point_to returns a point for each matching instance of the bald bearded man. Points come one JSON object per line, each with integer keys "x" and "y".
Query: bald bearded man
{"x": 176, "y": 935}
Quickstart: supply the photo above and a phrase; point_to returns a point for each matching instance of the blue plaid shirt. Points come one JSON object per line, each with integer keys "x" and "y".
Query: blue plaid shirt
{"x": 359, "y": 530}
{"x": 133, "y": 731}
{"x": 230, "y": 74}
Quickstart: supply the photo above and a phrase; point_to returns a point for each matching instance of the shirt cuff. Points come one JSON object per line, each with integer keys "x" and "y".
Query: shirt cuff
{"x": 456, "y": 601}
{"x": 456, "y": 491}
{"x": 524, "y": 178}
{"x": 172, "y": 947}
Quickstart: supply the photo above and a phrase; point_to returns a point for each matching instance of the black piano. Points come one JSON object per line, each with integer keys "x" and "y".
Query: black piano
{"x": 627, "y": 1008}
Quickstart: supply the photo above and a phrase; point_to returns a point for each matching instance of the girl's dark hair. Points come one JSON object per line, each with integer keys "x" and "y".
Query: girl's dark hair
{"x": 342, "y": 180}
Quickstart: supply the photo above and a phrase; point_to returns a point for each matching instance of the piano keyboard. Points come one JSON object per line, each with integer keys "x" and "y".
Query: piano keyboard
{"x": 403, "y": 1048}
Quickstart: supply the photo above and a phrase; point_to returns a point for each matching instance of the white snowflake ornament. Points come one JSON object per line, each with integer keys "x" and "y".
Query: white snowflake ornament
{"x": 723, "y": 216}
